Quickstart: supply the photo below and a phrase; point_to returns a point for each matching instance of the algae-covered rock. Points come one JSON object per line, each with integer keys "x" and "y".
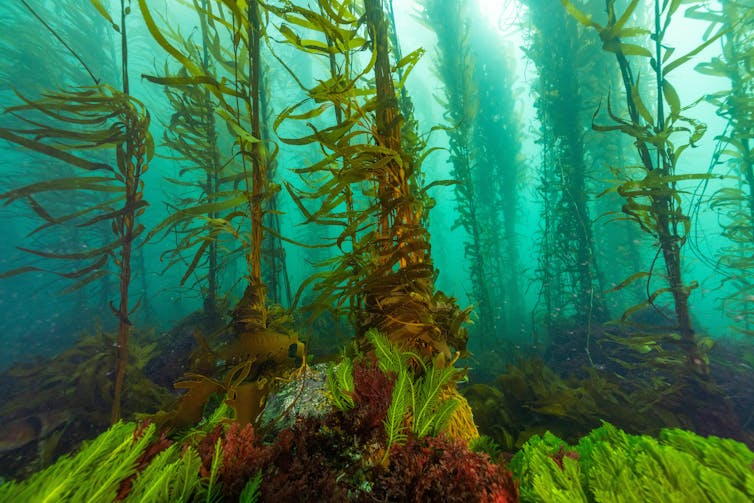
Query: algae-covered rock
{"x": 304, "y": 396}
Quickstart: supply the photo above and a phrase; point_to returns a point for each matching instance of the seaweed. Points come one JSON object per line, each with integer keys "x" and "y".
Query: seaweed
{"x": 500, "y": 170}
{"x": 213, "y": 79}
{"x": 385, "y": 277}
{"x": 440, "y": 469}
{"x": 422, "y": 401}
{"x": 51, "y": 405}
{"x": 610, "y": 465}
{"x": 653, "y": 200}
{"x": 572, "y": 281}
{"x": 237, "y": 80}
{"x": 454, "y": 66}
{"x": 340, "y": 384}
{"x": 192, "y": 133}
{"x": 94, "y": 474}
{"x": 530, "y": 398}
{"x": 83, "y": 119}
{"x": 735, "y": 201}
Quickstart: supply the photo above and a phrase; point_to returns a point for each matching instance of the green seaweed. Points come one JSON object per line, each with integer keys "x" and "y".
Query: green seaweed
{"x": 94, "y": 474}
{"x": 170, "y": 476}
{"x": 400, "y": 404}
{"x": 421, "y": 396}
{"x": 250, "y": 492}
{"x": 609, "y": 465}
{"x": 340, "y": 383}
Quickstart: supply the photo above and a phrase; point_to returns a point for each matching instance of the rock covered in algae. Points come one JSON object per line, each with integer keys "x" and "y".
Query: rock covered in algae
{"x": 304, "y": 396}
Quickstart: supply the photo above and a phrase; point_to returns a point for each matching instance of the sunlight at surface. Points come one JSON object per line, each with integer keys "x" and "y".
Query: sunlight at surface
{"x": 501, "y": 13}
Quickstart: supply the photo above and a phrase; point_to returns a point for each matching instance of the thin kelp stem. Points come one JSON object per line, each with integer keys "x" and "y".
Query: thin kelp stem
{"x": 124, "y": 47}
{"x": 88, "y": 119}
{"x": 212, "y": 177}
{"x": 276, "y": 278}
{"x": 396, "y": 46}
{"x": 131, "y": 157}
{"x": 238, "y": 103}
{"x": 60, "y": 39}
{"x": 628, "y": 82}
{"x": 124, "y": 325}
{"x": 658, "y": 69}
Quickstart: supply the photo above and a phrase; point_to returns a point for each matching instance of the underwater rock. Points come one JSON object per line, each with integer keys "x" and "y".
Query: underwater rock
{"x": 32, "y": 428}
{"x": 304, "y": 396}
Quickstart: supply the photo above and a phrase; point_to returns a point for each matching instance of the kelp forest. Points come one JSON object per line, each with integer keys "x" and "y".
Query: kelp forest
{"x": 371, "y": 250}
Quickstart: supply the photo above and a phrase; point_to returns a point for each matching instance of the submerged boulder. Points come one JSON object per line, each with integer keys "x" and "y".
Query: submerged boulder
{"x": 304, "y": 396}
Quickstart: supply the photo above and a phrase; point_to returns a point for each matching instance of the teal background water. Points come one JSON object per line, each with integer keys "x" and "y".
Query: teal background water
{"x": 37, "y": 320}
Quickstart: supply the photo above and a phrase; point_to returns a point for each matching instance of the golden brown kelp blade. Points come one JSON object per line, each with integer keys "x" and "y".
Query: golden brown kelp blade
{"x": 89, "y": 115}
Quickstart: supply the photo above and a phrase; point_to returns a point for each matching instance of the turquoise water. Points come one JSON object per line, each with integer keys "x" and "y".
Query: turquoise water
{"x": 545, "y": 231}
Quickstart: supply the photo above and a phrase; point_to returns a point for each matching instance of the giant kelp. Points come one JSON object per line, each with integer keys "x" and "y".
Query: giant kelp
{"x": 734, "y": 201}
{"x": 568, "y": 269}
{"x": 455, "y": 67}
{"x": 385, "y": 269}
{"x": 192, "y": 133}
{"x": 240, "y": 85}
{"x": 86, "y": 119}
{"x": 654, "y": 201}
{"x": 500, "y": 171}
{"x": 236, "y": 201}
